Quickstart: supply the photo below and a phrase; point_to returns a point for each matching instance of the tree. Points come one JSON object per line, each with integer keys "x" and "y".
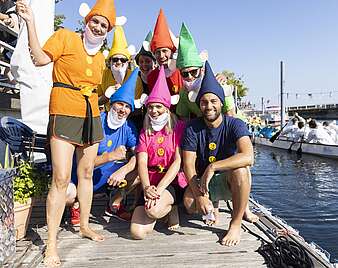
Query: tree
{"x": 237, "y": 82}
{"x": 58, "y": 19}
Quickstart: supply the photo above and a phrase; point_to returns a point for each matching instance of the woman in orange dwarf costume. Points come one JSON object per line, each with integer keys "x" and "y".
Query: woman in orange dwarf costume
{"x": 74, "y": 123}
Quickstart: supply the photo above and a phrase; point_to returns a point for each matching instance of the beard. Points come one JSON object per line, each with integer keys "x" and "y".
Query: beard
{"x": 211, "y": 117}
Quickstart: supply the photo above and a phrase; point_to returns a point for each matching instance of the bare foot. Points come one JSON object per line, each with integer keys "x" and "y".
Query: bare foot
{"x": 89, "y": 233}
{"x": 214, "y": 220}
{"x": 173, "y": 218}
{"x": 216, "y": 213}
{"x": 249, "y": 216}
{"x": 233, "y": 236}
{"x": 51, "y": 258}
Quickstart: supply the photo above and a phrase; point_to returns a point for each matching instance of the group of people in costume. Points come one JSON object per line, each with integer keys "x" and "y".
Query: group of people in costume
{"x": 191, "y": 148}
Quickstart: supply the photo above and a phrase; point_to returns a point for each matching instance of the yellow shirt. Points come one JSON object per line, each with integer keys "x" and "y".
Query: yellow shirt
{"x": 73, "y": 66}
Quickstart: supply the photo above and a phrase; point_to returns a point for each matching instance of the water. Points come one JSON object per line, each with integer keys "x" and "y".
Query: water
{"x": 304, "y": 192}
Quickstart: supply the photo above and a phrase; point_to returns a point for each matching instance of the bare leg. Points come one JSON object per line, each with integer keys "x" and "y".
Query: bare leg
{"x": 143, "y": 220}
{"x": 141, "y": 224}
{"x": 62, "y": 155}
{"x": 173, "y": 218}
{"x": 248, "y": 215}
{"x": 85, "y": 166}
{"x": 133, "y": 180}
{"x": 189, "y": 201}
{"x": 240, "y": 189}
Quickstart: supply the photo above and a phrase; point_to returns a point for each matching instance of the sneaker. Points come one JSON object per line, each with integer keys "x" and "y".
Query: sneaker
{"x": 75, "y": 216}
{"x": 119, "y": 212}
{"x": 108, "y": 211}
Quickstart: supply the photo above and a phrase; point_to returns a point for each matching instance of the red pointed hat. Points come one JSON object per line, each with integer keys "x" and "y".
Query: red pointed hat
{"x": 161, "y": 37}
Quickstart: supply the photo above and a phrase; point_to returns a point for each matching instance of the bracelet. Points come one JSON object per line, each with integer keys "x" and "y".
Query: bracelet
{"x": 146, "y": 188}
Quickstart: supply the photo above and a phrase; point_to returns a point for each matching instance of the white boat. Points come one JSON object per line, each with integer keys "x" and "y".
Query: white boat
{"x": 330, "y": 151}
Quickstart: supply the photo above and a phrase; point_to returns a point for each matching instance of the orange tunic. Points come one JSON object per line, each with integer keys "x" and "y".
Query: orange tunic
{"x": 73, "y": 66}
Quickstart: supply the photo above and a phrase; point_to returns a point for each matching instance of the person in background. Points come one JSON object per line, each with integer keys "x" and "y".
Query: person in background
{"x": 331, "y": 130}
{"x": 112, "y": 166}
{"x": 74, "y": 122}
{"x": 118, "y": 70}
{"x": 217, "y": 147}
{"x": 192, "y": 71}
{"x": 159, "y": 163}
{"x": 317, "y": 134}
{"x": 302, "y": 132}
{"x": 147, "y": 63}
{"x": 163, "y": 48}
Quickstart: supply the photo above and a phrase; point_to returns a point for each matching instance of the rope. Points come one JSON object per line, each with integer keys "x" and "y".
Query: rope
{"x": 282, "y": 253}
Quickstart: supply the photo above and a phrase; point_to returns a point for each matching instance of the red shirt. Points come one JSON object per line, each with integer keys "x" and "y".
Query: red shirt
{"x": 174, "y": 81}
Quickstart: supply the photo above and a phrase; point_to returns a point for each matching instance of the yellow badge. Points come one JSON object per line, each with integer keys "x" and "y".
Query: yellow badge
{"x": 160, "y": 151}
{"x": 212, "y": 146}
{"x": 160, "y": 140}
{"x": 160, "y": 168}
{"x": 174, "y": 88}
{"x": 212, "y": 159}
{"x": 89, "y": 60}
{"x": 109, "y": 143}
{"x": 89, "y": 72}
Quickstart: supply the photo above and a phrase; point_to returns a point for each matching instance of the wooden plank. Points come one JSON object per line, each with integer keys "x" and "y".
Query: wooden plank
{"x": 5, "y": 64}
{"x": 7, "y": 46}
{"x": 4, "y": 27}
{"x": 7, "y": 85}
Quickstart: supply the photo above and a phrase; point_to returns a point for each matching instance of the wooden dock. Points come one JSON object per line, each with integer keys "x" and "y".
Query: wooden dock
{"x": 193, "y": 245}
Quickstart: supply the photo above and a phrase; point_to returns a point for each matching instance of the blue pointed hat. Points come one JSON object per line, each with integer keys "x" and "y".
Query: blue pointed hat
{"x": 210, "y": 85}
{"x": 126, "y": 92}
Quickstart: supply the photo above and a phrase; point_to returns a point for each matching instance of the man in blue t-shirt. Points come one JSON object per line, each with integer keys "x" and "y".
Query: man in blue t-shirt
{"x": 217, "y": 147}
{"x": 112, "y": 165}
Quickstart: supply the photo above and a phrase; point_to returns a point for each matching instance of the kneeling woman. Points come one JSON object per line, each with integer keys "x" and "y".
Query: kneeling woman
{"x": 159, "y": 163}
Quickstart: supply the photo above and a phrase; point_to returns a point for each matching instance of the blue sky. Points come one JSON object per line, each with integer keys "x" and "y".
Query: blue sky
{"x": 250, "y": 38}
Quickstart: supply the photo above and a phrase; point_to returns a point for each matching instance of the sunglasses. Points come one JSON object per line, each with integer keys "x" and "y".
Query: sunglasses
{"x": 115, "y": 60}
{"x": 194, "y": 73}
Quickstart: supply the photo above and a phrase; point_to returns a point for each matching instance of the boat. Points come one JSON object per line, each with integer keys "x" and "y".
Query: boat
{"x": 324, "y": 150}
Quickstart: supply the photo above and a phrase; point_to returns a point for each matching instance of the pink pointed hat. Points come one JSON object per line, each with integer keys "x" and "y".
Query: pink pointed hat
{"x": 160, "y": 92}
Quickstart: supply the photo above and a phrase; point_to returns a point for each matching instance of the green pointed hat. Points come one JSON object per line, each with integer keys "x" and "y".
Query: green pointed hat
{"x": 187, "y": 52}
{"x": 145, "y": 51}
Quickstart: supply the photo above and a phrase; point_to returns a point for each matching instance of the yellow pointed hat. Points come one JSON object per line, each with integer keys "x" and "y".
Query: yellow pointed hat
{"x": 120, "y": 45}
{"x": 105, "y": 8}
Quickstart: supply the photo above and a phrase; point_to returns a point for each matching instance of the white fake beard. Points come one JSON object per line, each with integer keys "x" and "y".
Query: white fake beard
{"x": 193, "y": 85}
{"x": 119, "y": 72}
{"x": 160, "y": 122}
{"x": 113, "y": 120}
{"x": 92, "y": 43}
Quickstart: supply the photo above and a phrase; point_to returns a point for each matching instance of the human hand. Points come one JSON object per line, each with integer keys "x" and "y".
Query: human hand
{"x": 150, "y": 203}
{"x": 120, "y": 153}
{"x": 116, "y": 178}
{"x": 150, "y": 192}
{"x": 203, "y": 204}
{"x": 24, "y": 11}
{"x": 205, "y": 179}
{"x": 221, "y": 78}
